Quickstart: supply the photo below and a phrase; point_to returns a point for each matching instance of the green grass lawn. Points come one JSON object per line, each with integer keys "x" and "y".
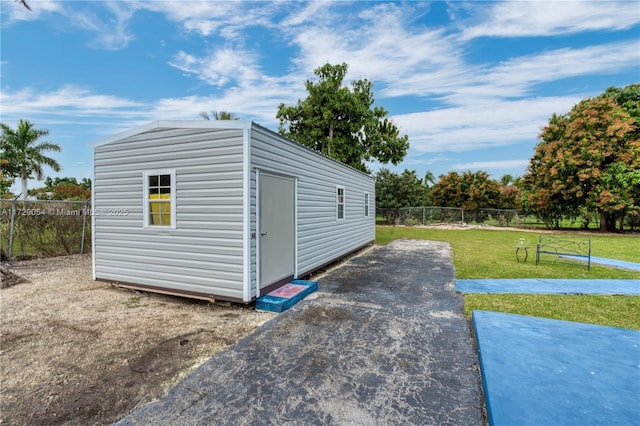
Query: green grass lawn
{"x": 480, "y": 253}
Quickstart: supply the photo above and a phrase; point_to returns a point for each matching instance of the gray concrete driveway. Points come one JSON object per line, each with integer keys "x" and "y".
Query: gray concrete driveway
{"x": 382, "y": 342}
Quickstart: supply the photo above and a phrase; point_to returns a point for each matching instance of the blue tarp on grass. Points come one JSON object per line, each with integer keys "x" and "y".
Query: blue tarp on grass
{"x": 549, "y": 286}
{"x": 607, "y": 262}
{"x": 539, "y": 371}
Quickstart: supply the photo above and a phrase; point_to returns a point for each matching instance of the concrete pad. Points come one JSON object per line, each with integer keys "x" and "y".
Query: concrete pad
{"x": 384, "y": 342}
{"x": 539, "y": 371}
{"x": 549, "y": 286}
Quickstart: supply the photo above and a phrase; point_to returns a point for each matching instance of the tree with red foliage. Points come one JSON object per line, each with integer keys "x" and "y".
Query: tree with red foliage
{"x": 588, "y": 158}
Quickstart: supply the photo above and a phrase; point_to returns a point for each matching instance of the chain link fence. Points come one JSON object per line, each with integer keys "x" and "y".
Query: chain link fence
{"x": 44, "y": 227}
{"x": 420, "y": 215}
{"x": 429, "y": 215}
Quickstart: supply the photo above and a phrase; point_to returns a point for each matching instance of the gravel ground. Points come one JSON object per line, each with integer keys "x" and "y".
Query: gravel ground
{"x": 76, "y": 351}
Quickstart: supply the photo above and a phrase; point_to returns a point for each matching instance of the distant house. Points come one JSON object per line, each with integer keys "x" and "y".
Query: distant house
{"x": 221, "y": 209}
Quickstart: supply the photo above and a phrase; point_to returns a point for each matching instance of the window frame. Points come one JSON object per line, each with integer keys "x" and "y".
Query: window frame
{"x": 367, "y": 207}
{"x": 343, "y": 203}
{"x": 146, "y": 202}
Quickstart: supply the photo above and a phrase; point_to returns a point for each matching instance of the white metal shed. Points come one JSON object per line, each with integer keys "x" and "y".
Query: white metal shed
{"x": 221, "y": 209}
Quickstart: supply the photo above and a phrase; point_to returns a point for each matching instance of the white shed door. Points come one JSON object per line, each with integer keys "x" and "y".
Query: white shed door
{"x": 277, "y": 234}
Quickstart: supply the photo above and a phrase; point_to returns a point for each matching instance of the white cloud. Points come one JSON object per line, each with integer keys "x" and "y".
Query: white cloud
{"x": 514, "y": 77}
{"x": 114, "y": 34}
{"x": 67, "y": 101}
{"x": 492, "y": 165}
{"x": 181, "y": 11}
{"x": 459, "y": 84}
{"x": 111, "y": 28}
{"x": 407, "y": 60}
{"x": 73, "y": 105}
{"x": 207, "y": 17}
{"x": 254, "y": 101}
{"x": 379, "y": 43}
{"x": 203, "y": 26}
{"x": 549, "y": 18}
{"x": 485, "y": 124}
{"x": 14, "y": 11}
{"x": 221, "y": 67}
{"x": 110, "y": 20}
{"x": 310, "y": 12}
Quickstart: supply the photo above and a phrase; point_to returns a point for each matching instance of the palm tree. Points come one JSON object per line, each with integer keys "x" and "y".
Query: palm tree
{"x": 222, "y": 115}
{"x": 506, "y": 180}
{"x": 429, "y": 178}
{"x": 25, "y": 154}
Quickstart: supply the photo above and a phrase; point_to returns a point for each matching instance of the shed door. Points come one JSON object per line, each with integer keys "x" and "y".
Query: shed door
{"x": 277, "y": 209}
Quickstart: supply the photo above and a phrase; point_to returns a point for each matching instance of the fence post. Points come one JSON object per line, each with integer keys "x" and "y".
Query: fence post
{"x": 13, "y": 216}
{"x": 84, "y": 225}
{"x": 462, "y": 210}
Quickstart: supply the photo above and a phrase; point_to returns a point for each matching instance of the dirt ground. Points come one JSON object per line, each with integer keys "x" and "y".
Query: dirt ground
{"x": 76, "y": 351}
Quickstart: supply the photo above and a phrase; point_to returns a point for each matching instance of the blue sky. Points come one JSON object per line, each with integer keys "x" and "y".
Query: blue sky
{"x": 471, "y": 83}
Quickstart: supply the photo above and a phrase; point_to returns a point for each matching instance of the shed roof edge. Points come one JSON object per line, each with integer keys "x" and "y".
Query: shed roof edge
{"x": 174, "y": 124}
{"x": 207, "y": 124}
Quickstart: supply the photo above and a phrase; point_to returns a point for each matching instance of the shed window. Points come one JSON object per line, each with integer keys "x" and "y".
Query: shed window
{"x": 366, "y": 204}
{"x": 340, "y": 202}
{"x": 159, "y": 199}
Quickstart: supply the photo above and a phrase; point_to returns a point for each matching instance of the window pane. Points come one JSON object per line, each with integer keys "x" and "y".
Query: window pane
{"x": 160, "y": 213}
{"x": 366, "y": 204}
{"x": 160, "y": 189}
{"x": 160, "y": 219}
{"x": 340, "y": 202}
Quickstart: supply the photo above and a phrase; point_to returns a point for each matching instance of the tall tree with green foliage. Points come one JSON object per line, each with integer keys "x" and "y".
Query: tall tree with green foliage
{"x": 470, "y": 191}
{"x": 342, "y": 122}
{"x": 588, "y": 160}
{"x": 398, "y": 190}
{"x": 25, "y": 154}
{"x": 395, "y": 190}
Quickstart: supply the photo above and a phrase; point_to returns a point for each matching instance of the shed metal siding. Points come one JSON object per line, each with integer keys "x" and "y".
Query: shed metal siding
{"x": 204, "y": 254}
{"x": 320, "y": 237}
